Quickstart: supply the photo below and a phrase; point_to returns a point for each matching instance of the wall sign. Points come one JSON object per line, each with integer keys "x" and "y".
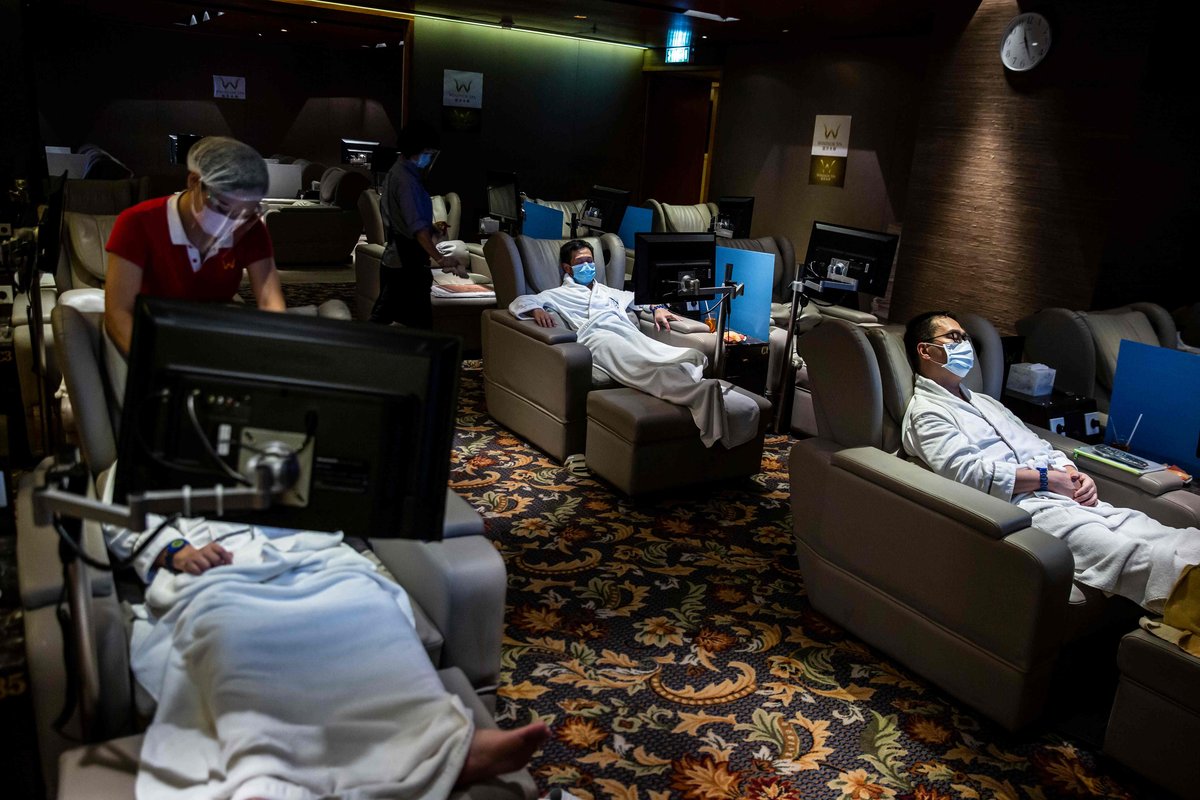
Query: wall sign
{"x": 830, "y": 149}
{"x": 462, "y": 89}
{"x": 229, "y": 87}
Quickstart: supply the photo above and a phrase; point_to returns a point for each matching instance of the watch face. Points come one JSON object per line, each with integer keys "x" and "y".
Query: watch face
{"x": 1026, "y": 42}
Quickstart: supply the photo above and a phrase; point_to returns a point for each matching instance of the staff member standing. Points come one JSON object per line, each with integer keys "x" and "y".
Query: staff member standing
{"x": 404, "y": 276}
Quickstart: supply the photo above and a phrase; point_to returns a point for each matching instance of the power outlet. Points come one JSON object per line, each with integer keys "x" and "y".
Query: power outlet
{"x": 1091, "y": 423}
{"x": 1058, "y": 425}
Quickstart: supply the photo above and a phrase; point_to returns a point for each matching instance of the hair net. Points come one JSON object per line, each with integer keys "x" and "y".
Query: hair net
{"x": 228, "y": 166}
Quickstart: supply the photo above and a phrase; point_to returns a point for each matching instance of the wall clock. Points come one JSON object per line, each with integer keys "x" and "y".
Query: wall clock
{"x": 1026, "y": 42}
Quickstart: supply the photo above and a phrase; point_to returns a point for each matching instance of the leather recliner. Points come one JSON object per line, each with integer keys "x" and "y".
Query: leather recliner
{"x": 1082, "y": 346}
{"x": 695, "y": 218}
{"x": 536, "y": 380}
{"x": 956, "y": 584}
{"x": 323, "y": 233}
{"x": 457, "y": 587}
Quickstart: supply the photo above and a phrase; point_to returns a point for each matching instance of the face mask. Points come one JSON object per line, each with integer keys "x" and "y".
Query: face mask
{"x": 212, "y": 223}
{"x": 960, "y": 357}
{"x": 584, "y": 273}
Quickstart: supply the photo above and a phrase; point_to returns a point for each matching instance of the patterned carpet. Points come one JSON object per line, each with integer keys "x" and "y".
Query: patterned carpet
{"x": 670, "y": 647}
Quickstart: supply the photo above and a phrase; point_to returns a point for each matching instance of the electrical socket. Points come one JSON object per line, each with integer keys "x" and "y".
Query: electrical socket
{"x": 1091, "y": 423}
{"x": 1058, "y": 425}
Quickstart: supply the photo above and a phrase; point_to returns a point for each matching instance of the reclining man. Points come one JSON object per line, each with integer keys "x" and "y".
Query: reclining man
{"x": 284, "y": 665}
{"x": 971, "y": 438}
{"x": 676, "y": 374}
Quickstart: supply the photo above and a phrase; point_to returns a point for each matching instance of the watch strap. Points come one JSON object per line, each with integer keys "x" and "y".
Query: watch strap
{"x": 1043, "y": 479}
{"x": 173, "y": 547}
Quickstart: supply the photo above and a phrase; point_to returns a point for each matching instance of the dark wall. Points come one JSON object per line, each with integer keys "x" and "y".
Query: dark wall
{"x": 1072, "y": 185}
{"x": 563, "y": 114}
{"x": 768, "y": 106}
{"x": 125, "y": 88}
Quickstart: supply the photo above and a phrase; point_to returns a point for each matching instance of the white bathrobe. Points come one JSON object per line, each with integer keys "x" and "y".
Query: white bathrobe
{"x": 675, "y": 374}
{"x": 979, "y": 442}
{"x": 294, "y": 673}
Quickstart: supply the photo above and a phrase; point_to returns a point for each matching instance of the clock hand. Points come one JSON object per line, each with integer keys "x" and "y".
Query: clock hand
{"x": 1025, "y": 36}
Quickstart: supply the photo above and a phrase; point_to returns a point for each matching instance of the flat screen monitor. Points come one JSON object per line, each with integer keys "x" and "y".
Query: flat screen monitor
{"x": 733, "y": 217}
{"x": 359, "y": 152}
{"x": 503, "y": 199}
{"x": 669, "y": 267}
{"x": 178, "y": 145}
{"x": 604, "y": 209}
{"x": 850, "y": 259}
{"x": 368, "y": 410}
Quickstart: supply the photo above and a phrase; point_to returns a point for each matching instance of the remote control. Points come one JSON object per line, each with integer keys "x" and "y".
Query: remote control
{"x": 1120, "y": 456}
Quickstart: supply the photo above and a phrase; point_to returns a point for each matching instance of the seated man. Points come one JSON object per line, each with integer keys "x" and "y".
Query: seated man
{"x": 598, "y": 316}
{"x": 973, "y": 439}
{"x": 284, "y": 665}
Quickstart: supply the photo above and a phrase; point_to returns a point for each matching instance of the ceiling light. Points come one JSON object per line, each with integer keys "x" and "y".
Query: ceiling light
{"x": 205, "y": 18}
{"x": 283, "y": 30}
{"x": 581, "y": 16}
{"x": 192, "y": 21}
{"x": 691, "y": 12}
{"x": 506, "y": 22}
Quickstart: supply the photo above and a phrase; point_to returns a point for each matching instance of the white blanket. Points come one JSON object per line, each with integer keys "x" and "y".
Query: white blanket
{"x": 674, "y": 374}
{"x": 977, "y": 441}
{"x": 295, "y": 673}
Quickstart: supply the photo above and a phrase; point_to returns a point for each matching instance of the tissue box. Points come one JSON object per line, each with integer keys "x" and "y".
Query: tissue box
{"x": 1031, "y": 379}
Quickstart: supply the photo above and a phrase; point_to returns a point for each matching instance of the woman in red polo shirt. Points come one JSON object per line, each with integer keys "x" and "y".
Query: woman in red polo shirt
{"x": 194, "y": 245}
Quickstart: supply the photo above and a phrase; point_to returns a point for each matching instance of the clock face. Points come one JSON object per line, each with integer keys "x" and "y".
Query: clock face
{"x": 1026, "y": 42}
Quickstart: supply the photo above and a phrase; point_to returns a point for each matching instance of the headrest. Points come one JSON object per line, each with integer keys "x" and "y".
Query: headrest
{"x": 896, "y": 382}
{"x": 687, "y": 219}
{"x": 87, "y": 234}
{"x": 1108, "y": 329}
{"x": 542, "y": 267}
{"x": 368, "y": 209}
{"x": 440, "y": 212}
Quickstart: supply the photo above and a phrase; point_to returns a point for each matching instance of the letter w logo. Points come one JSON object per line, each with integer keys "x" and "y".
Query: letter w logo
{"x": 832, "y": 133}
{"x": 230, "y": 84}
{"x": 460, "y": 86}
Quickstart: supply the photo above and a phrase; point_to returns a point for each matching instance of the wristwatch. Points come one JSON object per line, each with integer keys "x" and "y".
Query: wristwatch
{"x": 1043, "y": 479}
{"x": 173, "y": 547}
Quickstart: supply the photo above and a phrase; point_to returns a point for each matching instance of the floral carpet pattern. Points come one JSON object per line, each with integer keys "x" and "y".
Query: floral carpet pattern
{"x": 671, "y": 649}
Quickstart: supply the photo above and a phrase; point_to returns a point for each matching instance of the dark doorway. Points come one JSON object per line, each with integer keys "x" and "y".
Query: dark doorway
{"x": 679, "y": 111}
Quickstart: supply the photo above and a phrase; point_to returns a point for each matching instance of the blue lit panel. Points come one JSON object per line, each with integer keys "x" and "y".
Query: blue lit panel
{"x": 679, "y": 46}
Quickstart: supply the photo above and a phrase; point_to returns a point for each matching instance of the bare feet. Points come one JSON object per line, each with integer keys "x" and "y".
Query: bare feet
{"x": 494, "y": 752}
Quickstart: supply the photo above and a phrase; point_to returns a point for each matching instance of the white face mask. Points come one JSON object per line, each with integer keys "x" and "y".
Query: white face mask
{"x": 213, "y": 223}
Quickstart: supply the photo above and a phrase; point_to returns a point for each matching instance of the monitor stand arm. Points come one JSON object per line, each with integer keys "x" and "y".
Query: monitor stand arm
{"x": 727, "y": 292}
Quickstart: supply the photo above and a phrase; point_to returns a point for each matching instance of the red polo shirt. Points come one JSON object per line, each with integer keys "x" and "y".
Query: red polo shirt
{"x": 151, "y": 235}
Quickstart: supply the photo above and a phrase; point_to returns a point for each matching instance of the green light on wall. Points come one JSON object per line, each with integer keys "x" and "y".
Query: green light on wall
{"x": 679, "y": 46}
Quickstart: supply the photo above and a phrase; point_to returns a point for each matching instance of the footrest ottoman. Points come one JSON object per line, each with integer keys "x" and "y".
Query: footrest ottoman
{"x": 642, "y": 444}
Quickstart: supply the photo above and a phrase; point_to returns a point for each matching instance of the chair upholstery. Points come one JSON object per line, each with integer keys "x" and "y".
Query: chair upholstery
{"x": 1155, "y": 718}
{"x": 897, "y": 554}
{"x": 457, "y": 585}
{"x": 447, "y": 208}
{"x": 694, "y": 218}
{"x": 1187, "y": 320}
{"x": 536, "y": 380}
{"x": 372, "y": 216}
{"x": 1082, "y": 346}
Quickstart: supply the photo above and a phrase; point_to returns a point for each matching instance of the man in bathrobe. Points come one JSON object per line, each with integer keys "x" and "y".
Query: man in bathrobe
{"x": 598, "y": 315}
{"x": 973, "y": 439}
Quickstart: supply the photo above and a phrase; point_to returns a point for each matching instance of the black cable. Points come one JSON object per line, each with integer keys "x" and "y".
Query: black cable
{"x": 148, "y": 451}
{"x": 116, "y": 565}
{"x": 208, "y": 448}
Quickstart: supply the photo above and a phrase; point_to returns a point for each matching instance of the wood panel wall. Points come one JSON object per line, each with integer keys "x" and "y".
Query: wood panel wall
{"x": 1014, "y": 182}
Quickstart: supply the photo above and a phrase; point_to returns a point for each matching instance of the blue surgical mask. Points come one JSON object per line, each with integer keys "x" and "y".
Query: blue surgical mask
{"x": 960, "y": 357}
{"x": 584, "y": 273}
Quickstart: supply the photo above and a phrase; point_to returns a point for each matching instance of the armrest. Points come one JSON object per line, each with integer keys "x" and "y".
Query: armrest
{"x": 1153, "y": 484}
{"x": 966, "y": 561}
{"x": 550, "y": 336}
{"x": 849, "y": 314}
{"x": 460, "y": 584}
{"x": 981, "y": 512}
{"x": 684, "y": 325}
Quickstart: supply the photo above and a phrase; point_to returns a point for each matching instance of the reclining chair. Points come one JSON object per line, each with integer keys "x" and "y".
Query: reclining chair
{"x": 322, "y": 233}
{"x": 457, "y": 587}
{"x": 913, "y": 563}
{"x": 695, "y": 218}
{"x": 540, "y": 383}
{"x": 1082, "y": 346}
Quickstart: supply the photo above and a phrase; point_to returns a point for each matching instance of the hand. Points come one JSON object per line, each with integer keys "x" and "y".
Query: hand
{"x": 449, "y": 264}
{"x": 1060, "y": 482}
{"x": 542, "y": 318}
{"x": 1086, "y": 493}
{"x": 195, "y": 561}
{"x": 662, "y": 319}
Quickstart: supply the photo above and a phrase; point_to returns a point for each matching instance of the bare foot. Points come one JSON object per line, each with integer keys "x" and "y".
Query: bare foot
{"x": 494, "y": 752}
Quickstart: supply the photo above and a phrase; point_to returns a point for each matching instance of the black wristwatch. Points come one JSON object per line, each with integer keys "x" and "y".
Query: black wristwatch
{"x": 173, "y": 547}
